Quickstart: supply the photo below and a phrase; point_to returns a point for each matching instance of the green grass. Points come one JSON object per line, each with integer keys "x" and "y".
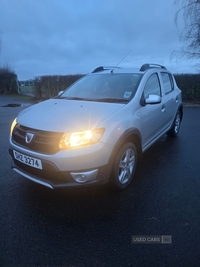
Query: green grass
{"x": 27, "y": 89}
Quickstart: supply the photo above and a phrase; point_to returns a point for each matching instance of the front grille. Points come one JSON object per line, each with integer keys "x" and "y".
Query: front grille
{"x": 43, "y": 141}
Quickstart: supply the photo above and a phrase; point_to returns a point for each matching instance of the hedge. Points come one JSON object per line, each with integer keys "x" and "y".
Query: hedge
{"x": 189, "y": 85}
{"x": 49, "y": 86}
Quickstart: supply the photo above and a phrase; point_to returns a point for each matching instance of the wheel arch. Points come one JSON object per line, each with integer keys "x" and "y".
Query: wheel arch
{"x": 180, "y": 108}
{"x": 171, "y": 132}
{"x": 132, "y": 135}
{"x": 181, "y": 111}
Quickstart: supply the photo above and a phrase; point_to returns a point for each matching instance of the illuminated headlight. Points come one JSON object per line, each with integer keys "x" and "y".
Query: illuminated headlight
{"x": 13, "y": 125}
{"x": 78, "y": 139}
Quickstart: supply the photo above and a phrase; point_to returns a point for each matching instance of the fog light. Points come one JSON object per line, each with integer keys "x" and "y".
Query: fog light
{"x": 84, "y": 177}
{"x": 80, "y": 178}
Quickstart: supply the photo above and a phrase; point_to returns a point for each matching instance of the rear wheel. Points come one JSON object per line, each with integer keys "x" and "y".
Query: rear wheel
{"x": 124, "y": 166}
{"x": 176, "y": 125}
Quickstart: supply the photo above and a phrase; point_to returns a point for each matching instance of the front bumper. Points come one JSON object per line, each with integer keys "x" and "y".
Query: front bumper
{"x": 51, "y": 177}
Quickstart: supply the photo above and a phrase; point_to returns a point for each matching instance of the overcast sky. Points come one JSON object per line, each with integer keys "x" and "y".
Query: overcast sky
{"x": 47, "y": 37}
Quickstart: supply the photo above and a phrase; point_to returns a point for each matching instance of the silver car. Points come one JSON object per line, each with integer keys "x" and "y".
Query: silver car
{"x": 95, "y": 130}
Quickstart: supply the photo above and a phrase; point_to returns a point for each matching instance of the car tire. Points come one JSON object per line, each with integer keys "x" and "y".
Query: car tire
{"x": 173, "y": 132}
{"x": 124, "y": 166}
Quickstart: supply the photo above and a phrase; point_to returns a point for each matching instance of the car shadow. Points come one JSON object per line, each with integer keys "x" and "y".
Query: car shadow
{"x": 98, "y": 202}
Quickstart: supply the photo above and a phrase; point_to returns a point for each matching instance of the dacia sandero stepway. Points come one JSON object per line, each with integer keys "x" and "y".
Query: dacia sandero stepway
{"x": 95, "y": 130}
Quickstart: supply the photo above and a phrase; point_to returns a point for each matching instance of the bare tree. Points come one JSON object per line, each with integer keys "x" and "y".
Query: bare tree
{"x": 8, "y": 80}
{"x": 190, "y": 35}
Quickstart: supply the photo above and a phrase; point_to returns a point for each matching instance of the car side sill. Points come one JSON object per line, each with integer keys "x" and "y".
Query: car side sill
{"x": 153, "y": 141}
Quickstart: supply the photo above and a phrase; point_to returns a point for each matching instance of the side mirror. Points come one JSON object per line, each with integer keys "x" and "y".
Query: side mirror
{"x": 60, "y": 93}
{"x": 153, "y": 99}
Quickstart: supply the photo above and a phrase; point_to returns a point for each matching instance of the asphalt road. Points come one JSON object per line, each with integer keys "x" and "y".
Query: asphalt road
{"x": 94, "y": 226}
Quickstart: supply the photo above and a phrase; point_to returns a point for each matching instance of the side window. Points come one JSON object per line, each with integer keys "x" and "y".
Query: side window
{"x": 167, "y": 82}
{"x": 152, "y": 86}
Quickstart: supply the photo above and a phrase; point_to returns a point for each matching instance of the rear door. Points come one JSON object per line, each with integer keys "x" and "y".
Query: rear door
{"x": 170, "y": 97}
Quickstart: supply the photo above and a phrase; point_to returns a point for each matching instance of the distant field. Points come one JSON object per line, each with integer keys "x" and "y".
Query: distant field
{"x": 26, "y": 89}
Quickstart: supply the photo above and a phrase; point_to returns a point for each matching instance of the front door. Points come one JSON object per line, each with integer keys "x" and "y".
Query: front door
{"x": 152, "y": 115}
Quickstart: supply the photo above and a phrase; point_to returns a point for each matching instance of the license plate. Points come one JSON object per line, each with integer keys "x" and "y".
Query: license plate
{"x": 33, "y": 162}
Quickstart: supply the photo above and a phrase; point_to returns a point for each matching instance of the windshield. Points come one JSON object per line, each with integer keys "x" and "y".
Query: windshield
{"x": 104, "y": 87}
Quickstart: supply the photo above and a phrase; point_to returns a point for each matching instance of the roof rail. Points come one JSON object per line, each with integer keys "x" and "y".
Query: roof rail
{"x": 98, "y": 69}
{"x": 102, "y": 68}
{"x": 147, "y": 66}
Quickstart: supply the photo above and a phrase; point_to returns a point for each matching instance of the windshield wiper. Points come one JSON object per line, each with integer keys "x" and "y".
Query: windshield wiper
{"x": 113, "y": 100}
{"x": 73, "y": 98}
{"x": 110, "y": 99}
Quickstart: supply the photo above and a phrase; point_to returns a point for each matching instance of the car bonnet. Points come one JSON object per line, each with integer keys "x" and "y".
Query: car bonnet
{"x": 61, "y": 115}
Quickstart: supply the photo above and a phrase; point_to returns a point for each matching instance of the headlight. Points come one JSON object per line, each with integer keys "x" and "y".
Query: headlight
{"x": 78, "y": 139}
{"x": 13, "y": 125}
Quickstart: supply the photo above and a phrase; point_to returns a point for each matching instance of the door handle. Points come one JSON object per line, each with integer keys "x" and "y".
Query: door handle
{"x": 163, "y": 109}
